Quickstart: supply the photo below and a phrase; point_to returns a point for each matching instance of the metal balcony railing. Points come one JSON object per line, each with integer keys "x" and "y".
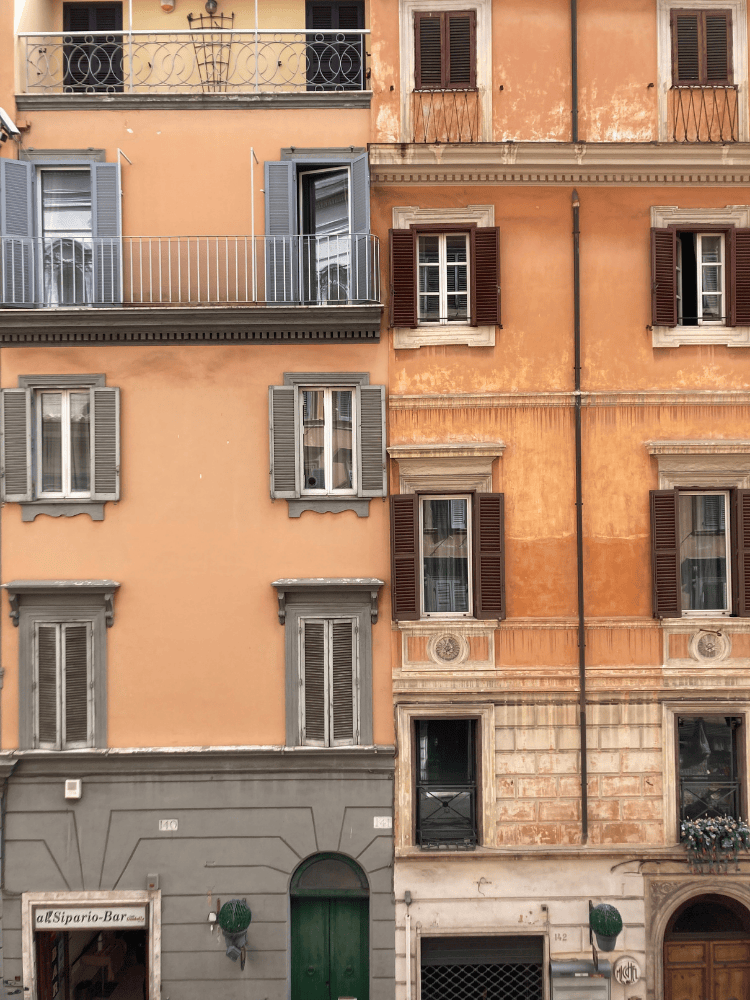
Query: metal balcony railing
{"x": 190, "y": 270}
{"x": 446, "y": 815}
{"x": 704, "y": 114}
{"x": 446, "y": 116}
{"x": 197, "y": 61}
{"x": 703, "y": 798}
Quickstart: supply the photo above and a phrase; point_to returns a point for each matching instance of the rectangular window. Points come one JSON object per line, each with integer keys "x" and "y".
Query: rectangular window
{"x": 65, "y": 207}
{"x": 64, "y": 435}
{"x": 328, "y": 441}
{"x": 701, "y": 47}
{"x": 446, "y": 810}
{"x": 324, "y": 203}
{"x": 329, "y": 707}
{"x": 709, "y": 771}
{"x": 445, "y": 50}
{"x": 701, "y": 294}
{"x": 334, "y": 57}
{"x": 704, "y": 552}
{"x": 445, "y": 528}
{"x": 63, "y": 710}
{"x": 444, "y": 278}
{"x": 93, "y": 62}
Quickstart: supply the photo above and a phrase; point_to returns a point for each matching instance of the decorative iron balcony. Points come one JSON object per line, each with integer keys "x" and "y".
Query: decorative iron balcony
{"x": 446, "y": 116}
{"x": 704, "y": 114}
{"x": 194, "y": 62}
{"x": 190, "y": 270}
{"x": 446, "y": 815}
{"x": 702, "y": 798}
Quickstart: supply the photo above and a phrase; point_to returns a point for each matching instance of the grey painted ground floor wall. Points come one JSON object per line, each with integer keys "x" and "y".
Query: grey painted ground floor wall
{"x": 245, "y": 821}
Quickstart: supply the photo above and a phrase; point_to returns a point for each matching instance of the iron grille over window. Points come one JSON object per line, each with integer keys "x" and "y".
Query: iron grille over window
{"x": 709, "y": 782}
{"x": 495, "y": 968}
{"x": 446, "y": 783}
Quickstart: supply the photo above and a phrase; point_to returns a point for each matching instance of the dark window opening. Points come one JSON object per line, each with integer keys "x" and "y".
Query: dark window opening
{"x": 446, "y": 783}
{"x": 708, "y": 766}
{"x": 93, "y": 63}
{"x": 335, "y": 58}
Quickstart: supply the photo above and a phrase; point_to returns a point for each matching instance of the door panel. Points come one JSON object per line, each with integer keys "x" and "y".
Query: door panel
{"x": 731, "y": 970}
{"x": 310, "y": 949}
{"x": 349, "y": 949}
{"x": 330, "y": 949}
{"x": 707, "y": 970}
{"x": 686, "y": 984}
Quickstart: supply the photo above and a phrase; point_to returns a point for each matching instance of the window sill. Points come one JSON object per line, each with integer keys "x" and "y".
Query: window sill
{"x": 330, "y": 505}
{"x": 62, "y": 508}
{"x": 407, "y": 338}
{"x": 681, "y": 336}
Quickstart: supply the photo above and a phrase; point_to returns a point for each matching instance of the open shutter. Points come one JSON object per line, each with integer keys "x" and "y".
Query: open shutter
{"x": 371, "y": 450}
{"x": 361, "y": 250}
{"x": 664, "y": 277}
{"x": 15, "y": 449}
{"x": 718, "y": 45}
{"x": 741, "y": 528}
{"x": 47, "y": 687}
{"x": 284, "y": 438}
{"x": 313, "y": 650}
{"x": 105, "y": 443}
{"x": 665, "y": 556}
{"x": 403, "y": 277}
{"x": 281, "y": 225}
{"x": 485, "y": 276}
{"x": 105, "y": 187}
{"x": 76, "y": 684}
{"x": 405, "y": 557}
{"x": 460, "y": 29}
{"x": 16, "y": 233}
{"x": 489, "y": 555}
{"x": 429, "y": 43}
{"x": 343, "y": 682}
{"x": 740, "y": 311}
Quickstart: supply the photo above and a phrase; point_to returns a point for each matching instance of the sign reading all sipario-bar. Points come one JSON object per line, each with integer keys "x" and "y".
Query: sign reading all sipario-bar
{"x": 60, "y": 917}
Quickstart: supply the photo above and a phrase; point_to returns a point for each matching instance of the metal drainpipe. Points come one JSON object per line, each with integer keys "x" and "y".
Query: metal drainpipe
{"x": 574, "y": 66}
{"x": 579, "y": 518}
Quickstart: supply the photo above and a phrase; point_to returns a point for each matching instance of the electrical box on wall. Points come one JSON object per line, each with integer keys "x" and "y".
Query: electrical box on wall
{"x": 580, "y": 980}
{"x": 72, "y": 788}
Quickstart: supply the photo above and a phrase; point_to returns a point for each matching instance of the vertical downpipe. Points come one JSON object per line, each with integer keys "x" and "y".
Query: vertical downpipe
{"x": 574, "y": 67}
{"x": 579, "y": 517}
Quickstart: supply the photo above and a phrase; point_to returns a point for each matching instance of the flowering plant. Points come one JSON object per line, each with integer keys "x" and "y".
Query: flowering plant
{"x": 712, "y": 842}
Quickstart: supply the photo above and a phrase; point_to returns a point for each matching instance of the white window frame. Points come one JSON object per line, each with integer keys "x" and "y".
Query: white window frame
{"x": 61, "y": 743}
{"x": 328, "y": 439}
{"x": 338, "y": 168}
{"x": 443, "y": 281}
{"x": 328, "y": 680}
{"x": 716, "y": 612}
{"x": 469, "y": 613}
{"x": 699, "y": 265}
{"x": 66, "y": 493}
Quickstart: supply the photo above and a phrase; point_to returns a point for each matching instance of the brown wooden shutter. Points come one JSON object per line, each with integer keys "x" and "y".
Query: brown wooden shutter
{"x": 741, "y": 547}
{"x": 313, "y": 681}
{"x": 430, "y": 44}
{"x": 405, "y": 557}
{"x": 47, "y": 695}
{"x": 485, "y": 276}
{"x": 740, "y": 307}
{"x": 342, "y": 682}
{"x": 664, "y": 276}
{"x": 403, "y": 277}
{"x": 460, "y": 30}
{"x": 665, "y": 556}
{"x": 686, "y": 46}
{"x": 75, "y": 643}
{"x": 489, "y": 555}
{"x": 718, "y": 46}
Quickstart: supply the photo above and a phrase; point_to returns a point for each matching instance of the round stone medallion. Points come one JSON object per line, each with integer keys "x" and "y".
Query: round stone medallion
{"x": 448, "y": 648}
{"x": 707, "y": 646}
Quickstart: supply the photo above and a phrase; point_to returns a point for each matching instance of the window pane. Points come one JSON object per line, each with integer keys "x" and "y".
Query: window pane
{"x": 66, "y": 201}
{"x": 80, "y": 430}
{"x": 51, "y": 447}
{"x": 446, "y": 781}
{"x": 313, "y": 439}
{"x": 429, "y": 249}
{"x": 703, "y": 562}
{"x": 341, "y": 440}
{"x": 711, "y": 249}
{"x": 445, "y": 555}
{"x": 709, "y": 783}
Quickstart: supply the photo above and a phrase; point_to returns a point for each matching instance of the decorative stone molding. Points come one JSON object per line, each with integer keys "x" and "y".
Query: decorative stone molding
{"x": 322, "y": 100}
{"x": 712, "y": 463}
{"x": 405, "y": 216}
{"x": 454, "y": 466}
{"x": 697, "y": 644}
{"x": 447, "y": 645}
{"x": 543, "y": 400}
{"x": 709, "y": 646}
{"x": 330, "y": 585}
{"x": 327, "y": 505}
{"x": 673, "y": 215}
{"x": 61, "y": 508}
{"x": 103, "y": 590}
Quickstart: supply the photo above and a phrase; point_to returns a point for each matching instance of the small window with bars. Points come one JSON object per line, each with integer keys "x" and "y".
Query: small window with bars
{"x": 701, "y": 48}
{"x": 63, "y": 685}
{"x": 446, "y": 783}
{"x": 329, "y": 681}
{"x": 445, "y": 50}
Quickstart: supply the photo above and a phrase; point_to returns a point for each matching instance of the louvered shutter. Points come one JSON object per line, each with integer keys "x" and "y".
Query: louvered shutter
{"x": 489, "y": 555}
{"x": 741, "y": 546}
{"x": 105, "y": 443}
{"x": 281, "y": 243}
{"x": 284, "y": 441}
{"x": 460, "y": 30}
{"x": 15, "y": 448}
{"x": 343, "y": 683}
{"x": 313, "y": 682}
{"x": 428, "y": 36}
{"x": 105, "y": 186}
{"x": 664, "y": 277}
{"x": 686, "y": 61}
{"x": 740, "y": 310}
{"x": 485, "y": 276}
{"x": 361, "y": 266}
{"x": 371, "y": 441}
{"x": 17, "y": 256}
{"x": 718, "y": 35}
{"x": 665, "y": 554}
{"x": 47, "y": 688}
{"x": 405, "y": 557}
{"x": 403, "y": 277}
{"x": 76, "y": 673}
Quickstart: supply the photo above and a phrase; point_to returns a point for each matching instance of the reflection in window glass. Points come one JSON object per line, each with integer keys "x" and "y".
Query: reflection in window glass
{"x": 313, "y": 439}
{"x": 65, "y": 443}
{"x": 443, "y": 278}
{"x": 341, "y": 440}
{"x": 709, "y": 784}
{"x": 446, "y": 782}
{"x": 80, "y": 438}
{"x": 703, "y": 551}
{"x": 51, "y": 442}
{"x": 328, "y": 424}
{"x": 445, "y": 555}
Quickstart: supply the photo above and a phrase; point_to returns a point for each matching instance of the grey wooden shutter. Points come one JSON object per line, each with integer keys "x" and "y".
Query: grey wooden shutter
{"x": 47, "y": 693}
{"x": 489, "y": 555}
{"x": 105, "y": 187}
{"x": 284, "y": 441}
{"x": 664, "y": 277}
{"x": 313, "y": 682}
{"x": 371, "y": 441}
{"x": 16, "y": 231}
{"x": 741, "y": 546}
{"x": 665, "y": 554}
{"x": 15, "y": 450}
{"x": 281, "y": 224}
{"x": 362, "y": 263}
{"x": 76, "y": 673}
{"x": 105, "y": 443}
{"x": 405, "y": 568}
{"x": 343, "y": 683}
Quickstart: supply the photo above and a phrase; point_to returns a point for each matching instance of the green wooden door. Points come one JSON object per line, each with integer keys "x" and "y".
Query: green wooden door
{"x": 330, "y": 949}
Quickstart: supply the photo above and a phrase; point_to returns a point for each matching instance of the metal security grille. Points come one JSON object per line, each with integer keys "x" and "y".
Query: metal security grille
{"x": 482, "y": 982}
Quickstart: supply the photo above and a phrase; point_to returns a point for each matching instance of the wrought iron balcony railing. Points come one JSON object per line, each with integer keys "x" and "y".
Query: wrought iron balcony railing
{"x": 190, "y": 270}
{"x": 702, "y": 798}
{"x": 198, "y": 61}
{"x": 446, "y": 815}
{"x": 704, "y": 114}
{"x": 446, "y": 116}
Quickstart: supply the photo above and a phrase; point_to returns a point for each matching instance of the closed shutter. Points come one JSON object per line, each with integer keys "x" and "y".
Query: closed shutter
{"x": 742, "y": 548}
{"x": 93, "y": 65}
{"x": 105, "y": 443}
{"x": 343, "y": 682}
{"x": 403, "y": 277}
{"x": 16, "y": 230}
{"x": 313, "y": 652}
{"x": 15, "y": 451}
{"x": 335, "y": 62}
{"x": 489, "y": 555}
{"x": 460, "y": 30}
{"x": 362, "y": 263}
{"x": 701, "y": 48}
{"x": 664, "y": 277}
{"x": 47, "y": 686}
{"x": 485, "y": 276}
{"x": 76, "y": 684}
{"x": 428, "y": 34}
{"x": 718, "y": 31}
{"x": 371, "y": 433}
{"x": 281, "y": 225}
{"x": 740, "y": 311}
{"x": 685, "y": 47}
{"x": 405, "y": 557}
{"x": 105, "y": 186}
{"x": 284, "y": 439}
{"x": 665, "y": 556}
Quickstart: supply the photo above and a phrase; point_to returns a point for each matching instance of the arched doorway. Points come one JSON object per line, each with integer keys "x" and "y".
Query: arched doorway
{"x": 707, "y": 951}
{"x": 330, "y": 929}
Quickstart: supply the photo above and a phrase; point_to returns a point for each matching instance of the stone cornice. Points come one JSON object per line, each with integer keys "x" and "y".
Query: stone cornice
{"x": 534, "y": 400}
{"x": 321, "y": 101}
{"x": 190, "y": 325}
{"x": 709, "y": 447}
{"x": 560, "y": 163}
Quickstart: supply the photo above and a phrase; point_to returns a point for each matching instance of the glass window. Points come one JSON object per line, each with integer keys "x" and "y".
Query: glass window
{"x": 446, "y": 782}
{"x": 704, "y": 552}
{"x": 325, "y": 225}
{"x": 64, "y": 435}
{"x": 709, "y": 782}
{"x": 700, "y": 279}
{"x": 328, "y": 437}
{"x": 446, "y": 546}
{"x": 444, "y": 278}
{"x": 66, "y": 223}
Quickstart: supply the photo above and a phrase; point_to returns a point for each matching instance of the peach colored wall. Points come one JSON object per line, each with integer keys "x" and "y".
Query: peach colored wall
{"x": 196, "y": 654}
